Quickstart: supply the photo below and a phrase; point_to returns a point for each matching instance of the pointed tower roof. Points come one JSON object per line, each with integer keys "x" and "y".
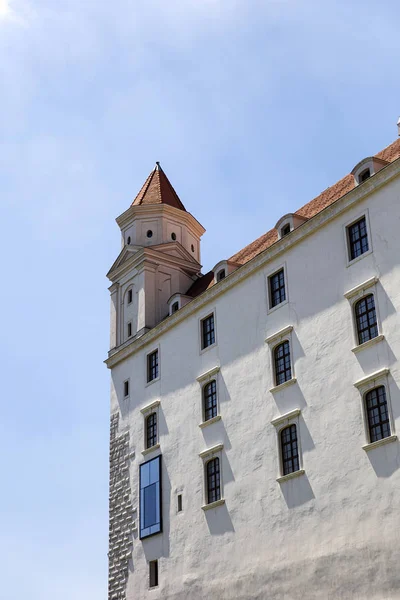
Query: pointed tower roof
{"x": 157, "y": 189}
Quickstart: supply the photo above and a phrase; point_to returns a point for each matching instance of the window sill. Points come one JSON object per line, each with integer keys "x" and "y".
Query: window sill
{"x": 213, "y": 504}
{"x": 363, "y": 255}
{"x": 202, "y": 350}
{"x": 148, "y": 450}
{"x": 290, "y": 476}
{"x": 382, "y": 442}
{"x": 210, "y": 421}
{"x": 273, "y": 308}
{"x": 152, "y": 381}
{"x": 281, "y": 386}
{"x": 369, "y": 343}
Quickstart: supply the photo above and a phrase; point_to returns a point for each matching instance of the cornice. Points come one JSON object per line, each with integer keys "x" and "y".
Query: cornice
{"x": 357, "y": 194}
{"x": 134, "y": 212}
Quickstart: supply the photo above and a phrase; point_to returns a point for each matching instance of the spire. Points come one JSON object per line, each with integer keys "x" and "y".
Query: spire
{"x": 157, "y": 189}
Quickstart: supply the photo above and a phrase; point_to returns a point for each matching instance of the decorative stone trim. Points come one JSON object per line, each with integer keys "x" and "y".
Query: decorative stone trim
{"x": 382, "y": 442}
{"x": 279, "y": 334}
{"x": 212, "y": 450}
{"x": 122, "y": 523}
{"x": 286, "y": 417}
{"x": 361, "y": 288}
{"x": 208, "y": 374}
{"x": 213, "y": 504}
{"x": 370, "y": 378}
{"x": 210, "y": 421}
{"x": 152, "y": 449}
{"x": 150, "y": 407}
{"x": 278, "y": 388}
{"x": 284, "y": 478}
{"x": 369, "y": 343}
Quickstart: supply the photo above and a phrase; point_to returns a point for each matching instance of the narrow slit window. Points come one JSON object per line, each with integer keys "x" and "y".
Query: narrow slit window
{"x": 207, "y": 332}
{"x": 180, "y": 503}
{"x": 358, "y": 238}
{"x": 377, "y": 414}
{"x": 277, "y": 293}
{"x": 283, "y": 369}
{"x": 289, "y": 450}
{"x": 152, "y": 366}
{"x": 129, "y": 329}
{"x": 130, "y": 296}
{"x": 213, "y": 480}
{"x": 153, "y": 573}
{"x": 126, "y": 388}
{"x": 210, "y": 400}
{"x": 151, "y": 430}
{"x": 367, "y": 326}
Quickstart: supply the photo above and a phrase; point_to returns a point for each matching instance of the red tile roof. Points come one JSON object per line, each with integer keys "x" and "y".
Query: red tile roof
{"x": 157, "y": 189}
{"x": 329, "y": 196}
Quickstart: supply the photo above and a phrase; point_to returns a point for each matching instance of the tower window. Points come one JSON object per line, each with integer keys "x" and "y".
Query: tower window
{"x": 126, "y": 388}
{"x": 377, "y": 414}
{"x": 130, "y": 296}
{"x": 285, "y": 230}
{"x": 128, "y": 241}
{"x": 151, "y": 430}
{"x": 153, "y": 573}
{"x": 192, "y": 248}
{"x": 358, "y": 238}
{"x": 277, "y": 292}
{"x": 213, "y": 480}
{"x": 173, "y": 236}
{"x": 149, "y": 233}
{"x": 283, "y": 370}
{"x": 289, "y": 450}
{"x": 180, "y": 503}
{"x": 367, "y": 326}
{"x": 207, "y": 332}
{"x": 152, "y": 366}
{"x": 129, "y": 329}
{"x": 210, "y": 400}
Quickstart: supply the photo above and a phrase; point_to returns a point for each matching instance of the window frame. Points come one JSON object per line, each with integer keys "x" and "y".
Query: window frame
{"x": 154, "y": 426}
{"x": 269, "y": 275}
{"x": 273, "y": 341}
{"x": 365, "y": 385}
{"x": 207, "y": 456}
{"x": 204, "y": 379}
{"x": 153, "y": 407}
{"x": 147, "y": 357}
{"x": 152, "y": 562}
{"x": 365, "y": 214}
{"x": 129, "y": 296}
{"x": 358, "y": 319}
{"x": 280, "y": 423}
{"x": 368, "y": 413}
{"x": 127, "y": 383}
{"x": 201, "y": 319}
{"x": 356, "y": 294}
{"x": 129, "y": 330}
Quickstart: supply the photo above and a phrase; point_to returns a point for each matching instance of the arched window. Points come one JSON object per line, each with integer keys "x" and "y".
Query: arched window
{"x": 151, "y": 430}
{"x": 210, "y": 400}
{"x": 213, "y": 480}
{"x": 289, "y": 450}
{"x": 283, "y": 370}
{"x": 367, "y": 327}
{"x": 377, "y": 414}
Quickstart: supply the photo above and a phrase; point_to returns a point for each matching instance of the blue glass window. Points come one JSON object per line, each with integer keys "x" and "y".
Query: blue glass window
{"x": 150, "y": 497}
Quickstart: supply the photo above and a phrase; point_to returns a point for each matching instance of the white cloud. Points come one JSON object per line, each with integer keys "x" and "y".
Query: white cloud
{"x": 5, "y": 10}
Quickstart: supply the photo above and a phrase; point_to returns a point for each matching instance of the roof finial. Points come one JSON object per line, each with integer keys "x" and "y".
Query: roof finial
{"x": 158, "y": 165}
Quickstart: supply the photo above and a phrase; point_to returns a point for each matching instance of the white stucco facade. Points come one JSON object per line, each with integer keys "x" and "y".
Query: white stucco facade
{"x": 330, "y": 530}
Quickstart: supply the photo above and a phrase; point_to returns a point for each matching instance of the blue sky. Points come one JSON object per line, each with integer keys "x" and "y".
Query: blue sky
{"x": 253, "y": 107}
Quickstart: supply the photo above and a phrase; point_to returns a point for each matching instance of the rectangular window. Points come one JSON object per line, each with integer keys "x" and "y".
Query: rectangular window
{"x": 153, "y": 573}
{"x": 126, "y": 388}
{"x": 277, "y": 288}
{"x": 207, "y": 332}
{"x": 150, "y": 497}
{"x": 357, "y": 236}
{"x": 129, "y": 329}
{"x": 152, "y": 366}
{"x": 129, "y": 296}
{"x": 179, "y": 502}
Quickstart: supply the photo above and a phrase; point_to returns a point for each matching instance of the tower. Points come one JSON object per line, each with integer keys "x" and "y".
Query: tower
{"x": 160, "y": 257}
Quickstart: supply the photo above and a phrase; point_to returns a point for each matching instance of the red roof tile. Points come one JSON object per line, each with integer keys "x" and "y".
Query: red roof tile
{"x": 157, "y": 189}
{"x": 328, "y": 197}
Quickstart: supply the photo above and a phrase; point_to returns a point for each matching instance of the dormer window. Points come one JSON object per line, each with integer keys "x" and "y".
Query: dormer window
{"x": 175, "y": 307}
{"x": 221, "y": 275}
{"x": 285, "y": 230}
{"x": 288, "y": 223}
{"x": 364, "y": 175}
